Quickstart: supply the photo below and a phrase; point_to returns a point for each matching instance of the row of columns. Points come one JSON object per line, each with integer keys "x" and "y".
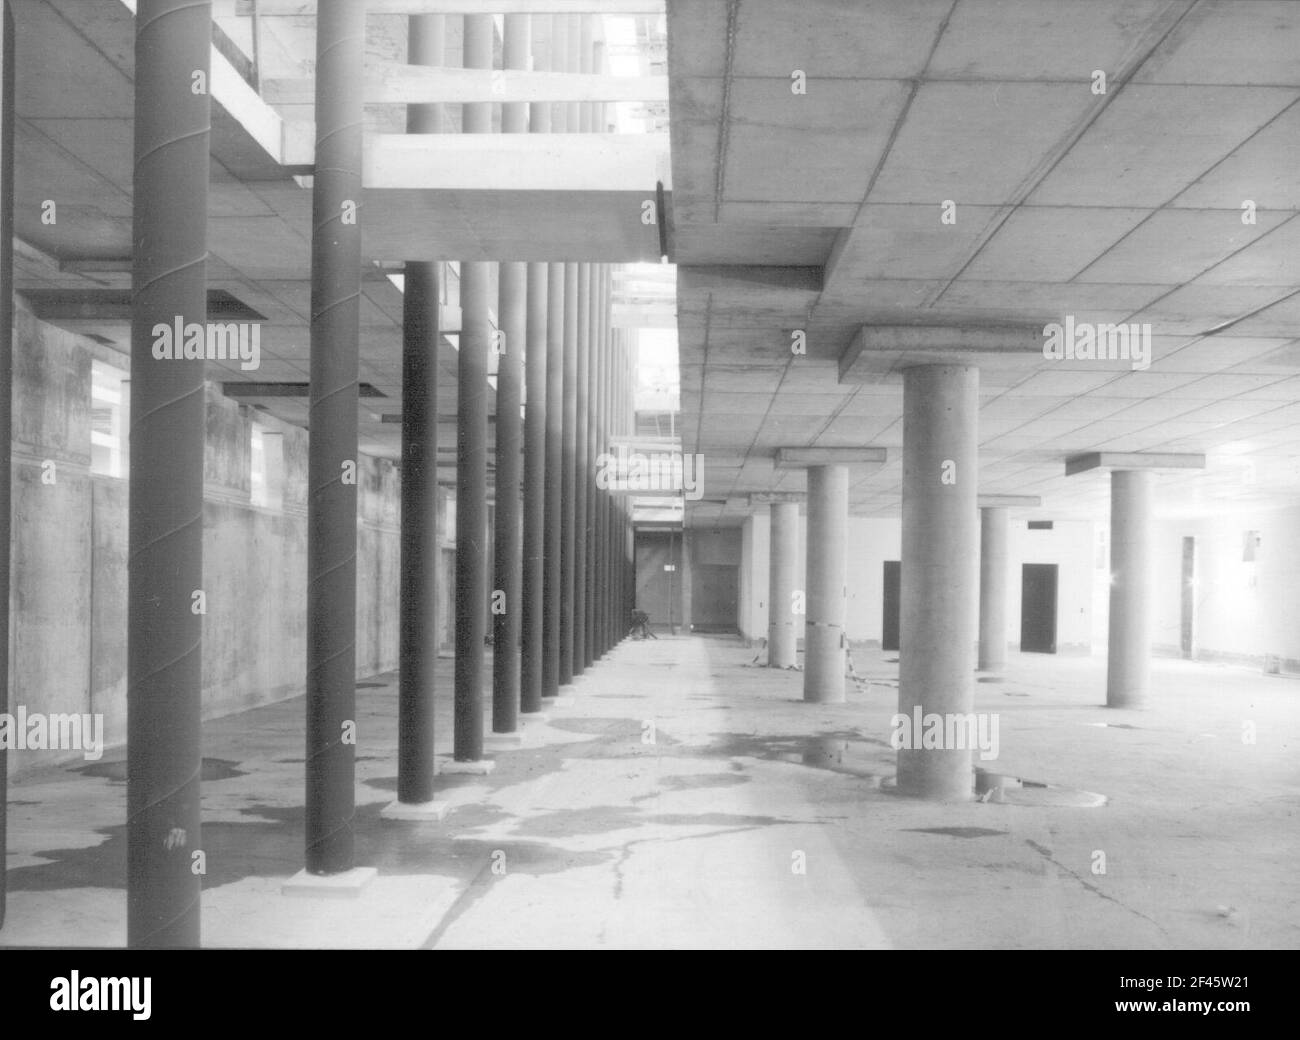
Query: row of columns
{"x": 565, "y": 588}
{"x": 559, "y": 574}
{"x": 954, "y": 570}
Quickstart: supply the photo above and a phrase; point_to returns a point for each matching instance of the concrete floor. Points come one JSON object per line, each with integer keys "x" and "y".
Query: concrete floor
{"x": 749, "y": 820}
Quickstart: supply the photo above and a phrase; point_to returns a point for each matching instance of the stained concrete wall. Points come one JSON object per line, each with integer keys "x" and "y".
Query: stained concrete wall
{"x": 68, "y": 625}
{"x": 1245, "y": 610}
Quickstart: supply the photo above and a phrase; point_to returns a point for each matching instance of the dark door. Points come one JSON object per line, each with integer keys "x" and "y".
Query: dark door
{"x": 1038, "y": 608}
{"x": 713, "y": 597}
{"x": 892, "y": 605}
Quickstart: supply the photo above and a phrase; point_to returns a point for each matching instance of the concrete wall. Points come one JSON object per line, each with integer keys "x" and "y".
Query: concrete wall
{"x": 711, "y": 563}
{"x": 68, "y": 627}
{"x": 1070, "y": 545}
{"x": 874, "y": 541}
{"x": 1245, "y": 611}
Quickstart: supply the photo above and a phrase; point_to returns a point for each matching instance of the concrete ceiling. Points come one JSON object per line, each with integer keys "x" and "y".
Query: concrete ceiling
{"x": 74, "y": 146}
{"x": 822, "y": 212}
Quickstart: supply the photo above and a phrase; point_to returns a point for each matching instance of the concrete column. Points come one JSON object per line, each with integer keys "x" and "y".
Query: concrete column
{"x": 512, "y": 320}
{"x": 7, "y": 123}
{"x": 534, "y": 535}
{"x": 331, "y": 493}
{"x": 940, "y": 543}
{"x": 573, "y": 63}
{"x": 581, "y": 467}
{"x": 426, "y": 45}
{"x": 782, "y": 639}
{"x": 596, "y": 640}
{"x": 584, "y": 592}
{"x": 560, "y": 63}
{"x": 534, "y": 599}
{"x": 165, "y": 569}
{"x": 554, "y": 477}
{"x": 993, "y": 589}
{"x": 1132, "y": 546}
{"x": 568, "y": 474}
{"x": 828, "y": 530}
{"x": 607, "y": 635}
{"x": 418, "y": 632}
{"x": 471, "y": 450}
{"x": 590, "y": 528}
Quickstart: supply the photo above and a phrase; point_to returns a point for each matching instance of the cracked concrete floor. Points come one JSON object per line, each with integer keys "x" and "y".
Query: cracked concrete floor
{"x": 688, "y": 799}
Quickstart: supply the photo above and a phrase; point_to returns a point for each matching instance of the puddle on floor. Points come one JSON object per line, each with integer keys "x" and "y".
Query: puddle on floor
{"x": 1002, "y": 789}
{"x": 1110, "y": 725}
{"x": 956, "y": 832}
{"x": 213, "y": 769}
{"x": 839, "y": 752}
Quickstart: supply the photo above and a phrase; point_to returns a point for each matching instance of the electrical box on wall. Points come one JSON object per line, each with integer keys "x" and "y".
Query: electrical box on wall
{"x": 1251, "y": 547}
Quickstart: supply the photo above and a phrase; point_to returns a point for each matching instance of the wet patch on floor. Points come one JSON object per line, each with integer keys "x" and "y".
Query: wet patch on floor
{"x": 371, "y": 685}
{"x": 956, "y": 832}
{"x": 990, "y": 678}
{"x": 1110, "y": 725}
{"x": 697, "y": 781}
{"x": 213, "y": 769}
{"x": 839, "y": 752}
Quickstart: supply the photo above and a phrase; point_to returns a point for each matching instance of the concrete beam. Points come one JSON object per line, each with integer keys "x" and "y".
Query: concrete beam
{"x": 1132, "y": 460}
{"x": 718, "y": 277}
{"x": 518, "y": 162}
{"x": 293, "y": 8}
{"x": 801, "y": 458}
{"x": 1010, "y": 501}
{"x": 390, "y": 83}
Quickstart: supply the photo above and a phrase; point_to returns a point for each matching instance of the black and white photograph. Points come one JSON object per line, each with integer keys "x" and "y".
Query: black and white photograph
{"x": 651, "y": 475}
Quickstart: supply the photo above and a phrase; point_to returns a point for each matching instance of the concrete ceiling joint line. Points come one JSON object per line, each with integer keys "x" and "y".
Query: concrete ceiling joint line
{"x": 841, "y": 239}
{"x": 1120, "y": 80}
{"x": 720, "y": 173}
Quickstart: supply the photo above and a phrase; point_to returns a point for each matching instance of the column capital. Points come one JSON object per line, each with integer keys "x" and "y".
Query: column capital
{"x": 802, "y": 458}
{"x": 1131, "y": 460}
{"x": 1010, "y": 501}
{"x": 881, "y": 351}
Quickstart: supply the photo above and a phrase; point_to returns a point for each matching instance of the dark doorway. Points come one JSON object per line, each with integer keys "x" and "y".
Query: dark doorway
{"x": 1188, "y": 620}
{"x": 1038, "y": 608}
{"x": 713, "y": 600}
{"x": 892, "y": 606}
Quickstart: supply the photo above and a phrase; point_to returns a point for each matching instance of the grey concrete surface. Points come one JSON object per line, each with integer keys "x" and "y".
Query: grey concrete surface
{"x": 592, "y": 835}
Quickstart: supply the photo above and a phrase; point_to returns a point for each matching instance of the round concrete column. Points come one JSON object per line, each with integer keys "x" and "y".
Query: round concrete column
{"x": 993, "y": 589}
{"x": 939, "y": 576}
{"x": 1128, "y": 663}
{"x": 828, "y": 522}
{"x": 781, "y": 636}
